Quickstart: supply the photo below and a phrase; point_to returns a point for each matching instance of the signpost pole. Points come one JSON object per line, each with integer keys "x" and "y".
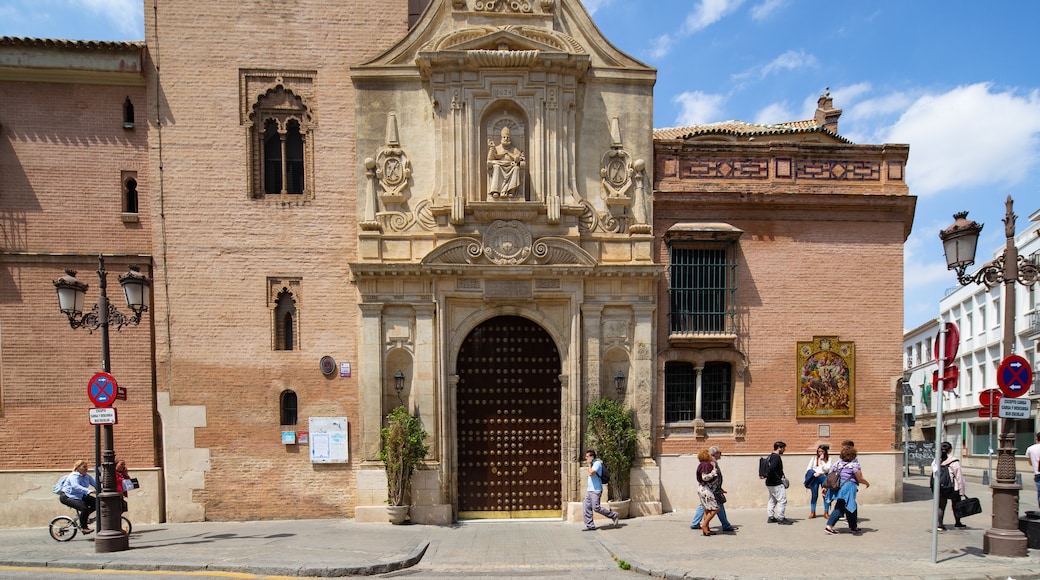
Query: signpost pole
{"x": 938, "y": 440}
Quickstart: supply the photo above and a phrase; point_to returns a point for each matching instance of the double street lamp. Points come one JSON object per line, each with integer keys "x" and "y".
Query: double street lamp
{"x": 959, "y": 243}
{"x": 71, "y": 295}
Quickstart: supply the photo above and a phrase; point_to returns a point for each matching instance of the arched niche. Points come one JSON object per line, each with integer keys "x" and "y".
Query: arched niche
{"x": 506, "y": 114}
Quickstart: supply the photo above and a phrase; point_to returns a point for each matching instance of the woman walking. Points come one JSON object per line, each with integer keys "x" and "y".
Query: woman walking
{"x": 707, "y": 474}
{"x": 851, "y": 476}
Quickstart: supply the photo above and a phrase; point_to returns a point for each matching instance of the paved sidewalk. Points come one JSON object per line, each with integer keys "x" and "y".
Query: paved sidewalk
{"x": 895, "y": 543}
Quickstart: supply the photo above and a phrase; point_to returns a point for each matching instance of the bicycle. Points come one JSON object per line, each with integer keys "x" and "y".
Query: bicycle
{"x": 64, "y": 528}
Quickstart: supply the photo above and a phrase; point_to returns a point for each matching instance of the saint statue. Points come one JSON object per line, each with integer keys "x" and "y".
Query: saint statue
{"x": 506, "y": 165}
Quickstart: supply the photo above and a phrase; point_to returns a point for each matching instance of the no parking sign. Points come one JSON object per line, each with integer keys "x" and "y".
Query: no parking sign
{"x": 1014, "y": 376}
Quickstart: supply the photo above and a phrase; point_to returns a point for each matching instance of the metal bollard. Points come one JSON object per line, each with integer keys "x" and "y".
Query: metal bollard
{"x": 985, "y": 477}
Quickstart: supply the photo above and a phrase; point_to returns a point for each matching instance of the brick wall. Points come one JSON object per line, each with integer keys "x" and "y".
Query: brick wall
{"x": 222, "y": 247}
{"x": 63, "y": 149}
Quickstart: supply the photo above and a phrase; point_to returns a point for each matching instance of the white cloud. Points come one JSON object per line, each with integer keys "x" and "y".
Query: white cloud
{"x": 788, "y": 61}
{"x": 704, "y": 14}
{"x": 126, "y": 15}
{"x": 698, "y": 108}
{"x": 969, "y": 137}
{"x": 661, "y": 46}
{"x": 708, "y": 12}
{"x": 774, "y": 113}
{"x": 763, "y": 10}
{"x": 593, "y": 5}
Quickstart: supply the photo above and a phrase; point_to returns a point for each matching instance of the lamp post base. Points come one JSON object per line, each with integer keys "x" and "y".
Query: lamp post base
{"x": 111, "y": 541}
{"x": 1004, "y": 538}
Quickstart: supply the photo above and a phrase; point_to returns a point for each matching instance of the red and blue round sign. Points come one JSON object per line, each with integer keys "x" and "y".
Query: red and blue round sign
{"x": 1014, "y": 376}
{"x": 102, "y": 389}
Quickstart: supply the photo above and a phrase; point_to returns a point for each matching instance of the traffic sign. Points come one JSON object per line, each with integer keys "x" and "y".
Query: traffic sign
{"x": 101, "y": 389}
{"x": 990, "y": 401}
{"x": 952, "y": 342}
{"x": 949, "y": 380}
{"x": 1014, "y": 409}
{"x": 103, "y": 416}
{"x": 121, "y": 393}
{"x": 1014, "y": 376}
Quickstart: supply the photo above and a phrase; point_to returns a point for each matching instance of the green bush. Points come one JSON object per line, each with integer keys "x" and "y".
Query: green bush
{"x": 403, "y": 450}
{"x": 612, "y": 434}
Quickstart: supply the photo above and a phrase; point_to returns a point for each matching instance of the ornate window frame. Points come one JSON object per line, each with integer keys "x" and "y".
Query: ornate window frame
{"x": 279, "y": 105}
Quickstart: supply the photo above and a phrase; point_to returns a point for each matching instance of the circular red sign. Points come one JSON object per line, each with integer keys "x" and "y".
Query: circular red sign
{"x": 102, "y": 389}
{"x": 1014, "y": 376}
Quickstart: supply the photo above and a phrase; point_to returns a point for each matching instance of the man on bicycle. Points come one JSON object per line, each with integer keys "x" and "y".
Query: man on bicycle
{"x": 75, "y": 493}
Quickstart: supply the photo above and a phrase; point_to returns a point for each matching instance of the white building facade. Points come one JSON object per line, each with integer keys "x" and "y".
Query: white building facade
{"x": 978, "y": 312}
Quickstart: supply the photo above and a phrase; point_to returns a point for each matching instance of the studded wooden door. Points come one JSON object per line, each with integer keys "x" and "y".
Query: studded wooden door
{"x": 508, "y": 429}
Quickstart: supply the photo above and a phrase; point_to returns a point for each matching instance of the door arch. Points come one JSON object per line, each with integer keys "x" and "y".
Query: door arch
{"x": 508, "y": 421}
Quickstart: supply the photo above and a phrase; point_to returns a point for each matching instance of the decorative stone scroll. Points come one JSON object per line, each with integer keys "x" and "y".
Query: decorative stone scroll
{"x": 509, "y": 243}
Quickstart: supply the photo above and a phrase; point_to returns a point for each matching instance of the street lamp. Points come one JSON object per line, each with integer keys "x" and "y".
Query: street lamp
{"x": 399, "y": 384}
{"x": 959, "y": 243}
{"x": 619, "y": 383}
{"x": 71, "y": 295}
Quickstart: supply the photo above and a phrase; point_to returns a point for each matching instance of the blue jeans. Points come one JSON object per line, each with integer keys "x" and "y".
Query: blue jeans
{"x": 1036, "y": 478}
{"x": 814, "y": 487}
{"x": 697, "y": 517}
{"x": 839, "y": 510}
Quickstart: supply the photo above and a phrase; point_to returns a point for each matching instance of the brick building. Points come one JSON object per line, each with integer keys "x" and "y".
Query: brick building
{"x": 341, "y": 227}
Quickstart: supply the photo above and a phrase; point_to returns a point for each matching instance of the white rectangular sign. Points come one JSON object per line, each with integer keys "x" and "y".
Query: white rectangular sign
{"x": 1014, "y": 408}
{"x": 103, "y": 416}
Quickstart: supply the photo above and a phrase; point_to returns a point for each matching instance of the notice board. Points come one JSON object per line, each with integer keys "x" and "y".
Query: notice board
{"x": 328, "y": 439}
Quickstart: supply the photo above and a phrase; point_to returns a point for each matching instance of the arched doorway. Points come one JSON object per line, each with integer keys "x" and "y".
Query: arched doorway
{"x": 508, "y": 428}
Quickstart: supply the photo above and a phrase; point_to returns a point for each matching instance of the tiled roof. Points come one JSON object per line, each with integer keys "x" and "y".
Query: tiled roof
{"x": 742, "y": 129}
{"x": 74, "y": 44}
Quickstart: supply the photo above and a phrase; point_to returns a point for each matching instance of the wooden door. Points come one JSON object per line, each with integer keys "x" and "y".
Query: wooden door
{"x": 508, "y": 429}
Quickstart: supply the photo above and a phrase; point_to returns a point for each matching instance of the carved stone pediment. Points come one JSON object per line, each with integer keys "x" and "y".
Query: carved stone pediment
{"x": 510, "y": 38}
{"x": 509, "y": 244}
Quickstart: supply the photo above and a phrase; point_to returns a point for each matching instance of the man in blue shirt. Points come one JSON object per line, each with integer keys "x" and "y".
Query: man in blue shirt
{"x": 595, "y": 490}
{"x": 75, "y": 493}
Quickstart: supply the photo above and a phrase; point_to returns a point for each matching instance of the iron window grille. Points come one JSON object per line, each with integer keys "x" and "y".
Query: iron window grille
{"x": 702, "y": 289}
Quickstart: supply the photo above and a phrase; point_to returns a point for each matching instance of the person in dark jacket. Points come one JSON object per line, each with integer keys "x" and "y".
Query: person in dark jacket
{"x": 775, "y": 484}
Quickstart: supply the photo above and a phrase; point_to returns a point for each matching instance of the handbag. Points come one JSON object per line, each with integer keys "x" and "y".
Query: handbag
{"x": 786, "y": 482}
{"x": 967, "y": 506}
{"x": 809, "y": 475}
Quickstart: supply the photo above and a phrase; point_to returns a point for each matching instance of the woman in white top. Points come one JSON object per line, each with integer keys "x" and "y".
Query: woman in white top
{"x": 819, "y": 465}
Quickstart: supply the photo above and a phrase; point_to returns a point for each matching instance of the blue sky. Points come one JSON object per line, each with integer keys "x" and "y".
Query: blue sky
{"x": 952, "y": 78}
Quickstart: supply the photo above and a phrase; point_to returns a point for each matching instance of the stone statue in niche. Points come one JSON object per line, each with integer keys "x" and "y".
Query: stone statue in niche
{"x": 506, "y": 165}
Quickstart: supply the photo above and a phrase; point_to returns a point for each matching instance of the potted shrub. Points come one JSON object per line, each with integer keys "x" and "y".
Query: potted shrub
{"x": 612, "y": 434}
{"x": 403, "y": 449}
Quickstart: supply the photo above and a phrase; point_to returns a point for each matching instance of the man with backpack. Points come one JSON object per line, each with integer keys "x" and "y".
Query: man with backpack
{"x": 774, "y": 476}
{"x": 951, "y": 484}
{"x": 594, "y": 492}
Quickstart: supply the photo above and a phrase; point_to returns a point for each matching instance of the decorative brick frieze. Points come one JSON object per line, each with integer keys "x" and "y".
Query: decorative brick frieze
{"x": 837, "y": 170}
{"x": 723, "y": 168}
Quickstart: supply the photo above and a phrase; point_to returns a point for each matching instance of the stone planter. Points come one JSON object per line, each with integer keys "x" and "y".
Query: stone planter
{"x": 397, "y": 513}
{"x": 621, "y": 507}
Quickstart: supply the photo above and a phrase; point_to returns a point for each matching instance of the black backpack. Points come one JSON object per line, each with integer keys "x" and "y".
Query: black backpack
{"x": 763, "y": 467}
{"x": 604, "y": 473}
{"x": 945, "y": 478}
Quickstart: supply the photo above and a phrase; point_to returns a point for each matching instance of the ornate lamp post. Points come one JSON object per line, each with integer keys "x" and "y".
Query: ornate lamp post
{"x": 71, "y": 294}
{"x": 959, "y": 243}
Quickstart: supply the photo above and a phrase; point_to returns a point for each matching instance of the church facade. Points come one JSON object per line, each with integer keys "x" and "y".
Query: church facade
{"x": 463, "y": 208}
